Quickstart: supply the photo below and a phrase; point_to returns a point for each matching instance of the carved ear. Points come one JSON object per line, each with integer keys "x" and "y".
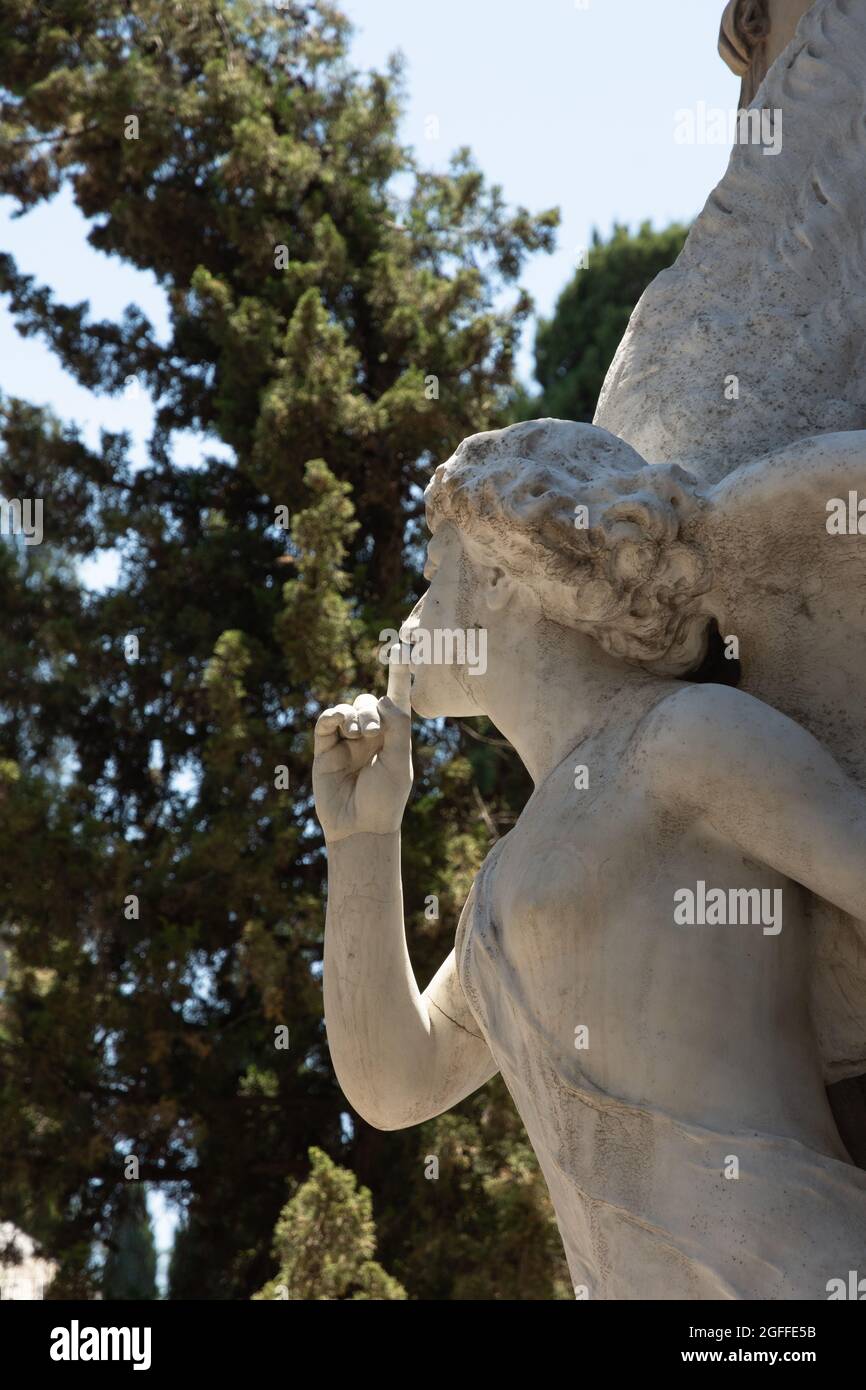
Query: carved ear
{"x": 496, "y": 587}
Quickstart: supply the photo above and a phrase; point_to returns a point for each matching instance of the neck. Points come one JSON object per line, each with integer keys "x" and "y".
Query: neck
{"x": 575, "y": 692}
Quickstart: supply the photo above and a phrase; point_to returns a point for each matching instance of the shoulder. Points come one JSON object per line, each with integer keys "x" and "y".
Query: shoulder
{"x": 480, "y": 888}
{"x": 698, "y": 711}
{"x": 702, "y": 734}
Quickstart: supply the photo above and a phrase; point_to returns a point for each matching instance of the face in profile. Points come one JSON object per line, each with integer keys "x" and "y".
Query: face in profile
{"x": 444, "y": 627}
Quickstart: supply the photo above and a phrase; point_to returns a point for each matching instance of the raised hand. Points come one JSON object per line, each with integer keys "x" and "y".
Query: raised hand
{"x": 362, "y": 767}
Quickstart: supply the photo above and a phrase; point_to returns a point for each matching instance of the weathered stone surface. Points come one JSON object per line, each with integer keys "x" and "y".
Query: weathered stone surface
{"x": 752, "y": 35}
{"x": 771, "y": 285}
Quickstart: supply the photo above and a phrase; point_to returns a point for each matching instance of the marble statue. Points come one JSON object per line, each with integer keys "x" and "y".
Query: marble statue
{"x": 665, "y": 959}
{"x": 752, "y": 35}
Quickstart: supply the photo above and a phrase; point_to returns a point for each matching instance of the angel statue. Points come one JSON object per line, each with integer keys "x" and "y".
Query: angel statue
{"x": 665, "y": 958}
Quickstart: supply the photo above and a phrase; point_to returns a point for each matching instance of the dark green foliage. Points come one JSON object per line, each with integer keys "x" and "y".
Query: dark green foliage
{"x": 575, "y": 347}
{"x": 325, "y": 1241}
{"x": 310, "y": 310}
{"x": 130, "y": 1266}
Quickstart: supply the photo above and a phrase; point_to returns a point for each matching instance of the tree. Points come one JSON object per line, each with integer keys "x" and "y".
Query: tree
{"x": 130, "y": 1265}
{"x": 482, "y": 1226}
{"x": 575, "y": 347}
{"x": 325, "y": 1240}
{"x": 163, "y": 876}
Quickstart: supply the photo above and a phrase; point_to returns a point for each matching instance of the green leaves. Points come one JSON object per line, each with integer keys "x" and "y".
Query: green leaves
{"x": 574, "y": 348}
{"x": 200, "y": 139}
{"x": 316, "y": 628}
{"x": 325, "y": 1240}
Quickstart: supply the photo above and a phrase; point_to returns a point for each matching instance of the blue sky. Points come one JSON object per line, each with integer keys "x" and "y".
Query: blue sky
{"x": 562, "y": 104}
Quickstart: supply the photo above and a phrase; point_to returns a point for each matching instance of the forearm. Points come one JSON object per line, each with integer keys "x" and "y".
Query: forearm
{"x": 399, "y": 1056}
{"x": 377, "y": 1022}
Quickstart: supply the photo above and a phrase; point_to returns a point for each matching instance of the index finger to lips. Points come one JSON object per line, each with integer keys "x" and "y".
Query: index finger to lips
{"x": 399, "y": 676}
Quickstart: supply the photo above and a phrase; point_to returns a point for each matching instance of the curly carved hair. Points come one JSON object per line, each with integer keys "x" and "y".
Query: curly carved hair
{"x": 621, "y": 571}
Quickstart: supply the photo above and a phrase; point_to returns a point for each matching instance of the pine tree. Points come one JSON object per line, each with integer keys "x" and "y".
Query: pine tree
{"x": 163, "y": 875}
{"x": 130, "y": 1265}
{"x": 325, "y": 1240}
{"x": 575, "y": 347}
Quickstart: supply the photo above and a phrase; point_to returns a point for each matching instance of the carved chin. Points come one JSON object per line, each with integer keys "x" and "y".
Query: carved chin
{"x": 424, "y": 702}
{"x": 437, "y": 699}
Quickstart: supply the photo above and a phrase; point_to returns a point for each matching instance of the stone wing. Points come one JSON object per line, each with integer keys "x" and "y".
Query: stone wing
{"x": 790, "y": 583}
{"x": 770, "y": 287}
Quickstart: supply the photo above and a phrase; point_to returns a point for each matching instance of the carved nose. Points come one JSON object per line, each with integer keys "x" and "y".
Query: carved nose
{"x": 411, "y": 623}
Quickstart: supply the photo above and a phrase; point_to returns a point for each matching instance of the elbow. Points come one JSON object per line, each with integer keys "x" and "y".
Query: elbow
{"x": 383, "y": 1112}
{"x": 385, "y": 1115}
{"x": 382, "y": 1104}
{"x": 385, "y": 1122}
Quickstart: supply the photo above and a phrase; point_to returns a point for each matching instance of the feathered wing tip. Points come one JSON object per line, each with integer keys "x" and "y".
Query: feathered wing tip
{"x": 791, "y": 586}
{"x": 757, "y": 335}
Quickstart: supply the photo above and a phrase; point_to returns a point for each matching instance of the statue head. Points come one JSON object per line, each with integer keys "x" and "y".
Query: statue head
{"x": 586, "y": 530}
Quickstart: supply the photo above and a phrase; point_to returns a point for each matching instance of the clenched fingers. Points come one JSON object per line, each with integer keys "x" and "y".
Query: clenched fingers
{"x": 367, "y": 714}
{"x": 357, "y": 721}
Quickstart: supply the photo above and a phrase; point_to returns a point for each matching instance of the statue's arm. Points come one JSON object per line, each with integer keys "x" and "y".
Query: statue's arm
{"x": 400, "y": 1056}
{"x": 763, "y": 783}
